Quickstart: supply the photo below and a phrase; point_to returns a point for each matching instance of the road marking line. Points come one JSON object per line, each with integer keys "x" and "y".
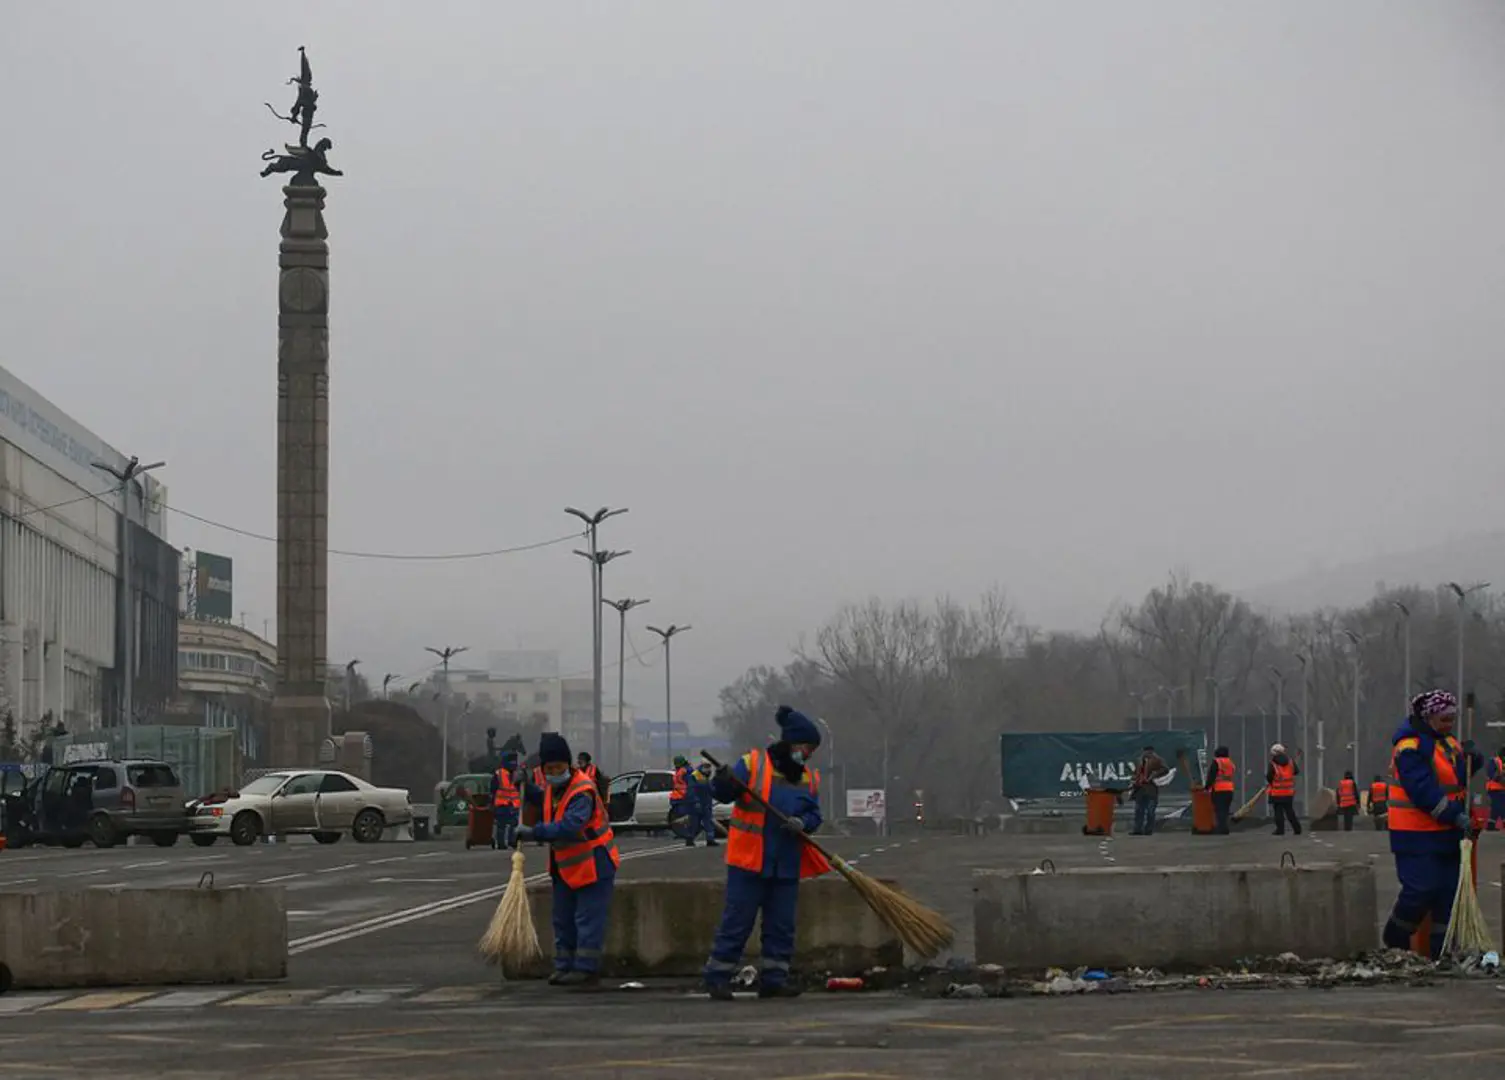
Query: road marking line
{"x": 104, "y": 1000}
{"x": 371, "y": 996}
{"x": 447, "y": 995}
{"x": 389, "y": 858}
{"x": 206, "y": 858}
{"x": 269, "y": 998}
{"x": 144, "y": 865}
{"x": 20, "y": 1003}
{"x": 283, "y": 877}
{"x": 184, "y": 999}
{"x": 111, "y": 885}
{"x": 414, "y": 881}
{"x": 337, "y": 869}
{"x": 18, "y": 881}
{"x": 393, "y": 919}
{"x": 428, "y": 854}
{"x": 87, "y": 873}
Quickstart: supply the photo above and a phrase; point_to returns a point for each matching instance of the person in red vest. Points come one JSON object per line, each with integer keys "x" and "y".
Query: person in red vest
{"x": 506, "y": 801}
{"x": 1221, "y": 774}
{"x": 1280, "y": 789}
{"x": 1496, "y": 788}
{"x": 679, "y": 794}
{"x": 583, "y": 862}
{"x": 765, "y": 858}
{"x": 1428, "y": 811}
{"x": 1348, "y": 800}
{"x": 1379, "y": 800}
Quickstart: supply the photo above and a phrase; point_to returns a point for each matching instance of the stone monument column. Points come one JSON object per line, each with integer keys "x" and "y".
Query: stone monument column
{"x": 300, "y": 710}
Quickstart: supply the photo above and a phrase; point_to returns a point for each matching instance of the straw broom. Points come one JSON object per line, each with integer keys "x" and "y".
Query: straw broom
{"x": 1467, "y": 931}
{"x": 511, "y": 942}
{"x": 1243, "y": 811}
{"x": 923, "y": 932}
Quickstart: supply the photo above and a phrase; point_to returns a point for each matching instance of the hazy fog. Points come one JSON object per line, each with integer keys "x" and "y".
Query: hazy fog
{"x": 839, "y": 298}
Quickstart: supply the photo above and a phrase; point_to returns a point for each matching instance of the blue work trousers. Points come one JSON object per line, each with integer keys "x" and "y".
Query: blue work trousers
{"x": 747, "y": 894}
{"x": 1144, "y": 813}
{"x": 1427, "y": 885}
{"x": 1497, "y": 809}
{"x": 580, "y": 925}
{"x": 506, "y": 827}
{"x": 705, "y": 822}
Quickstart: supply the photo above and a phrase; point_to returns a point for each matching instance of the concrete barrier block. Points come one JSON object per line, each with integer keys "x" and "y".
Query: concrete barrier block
{"x": 665, "y": 928}
{"x": 129, "y": 937}
{"x": 1172, "y": 918}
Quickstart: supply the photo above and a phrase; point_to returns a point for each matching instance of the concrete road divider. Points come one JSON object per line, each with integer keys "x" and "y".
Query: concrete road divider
{"x": 1172, "y": 918}
{"x": 143, "y": 937}
{"x": 665, "y": 927}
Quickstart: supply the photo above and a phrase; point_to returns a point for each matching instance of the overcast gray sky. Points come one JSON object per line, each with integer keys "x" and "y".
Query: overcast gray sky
{"x": 840, "y": 298}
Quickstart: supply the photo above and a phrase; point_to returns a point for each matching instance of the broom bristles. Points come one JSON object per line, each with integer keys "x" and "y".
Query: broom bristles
{"x": 1467, "y": 930}
{"x": 510, "y": 941}
{"x": 923, "y": 932}
{"x": 1243, "y": 811}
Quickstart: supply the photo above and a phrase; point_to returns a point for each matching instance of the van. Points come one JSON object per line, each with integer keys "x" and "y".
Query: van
{"x": 110, "y": 801}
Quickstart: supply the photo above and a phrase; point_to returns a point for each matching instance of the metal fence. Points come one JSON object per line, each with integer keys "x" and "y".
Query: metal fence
{"x": 205, "y": 759}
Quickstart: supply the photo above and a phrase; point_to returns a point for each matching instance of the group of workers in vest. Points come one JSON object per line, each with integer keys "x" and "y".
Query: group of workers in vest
{"x": 1280, "y": 788}
{"x": 765, "y": 855}
{"x": 691, "y": 797}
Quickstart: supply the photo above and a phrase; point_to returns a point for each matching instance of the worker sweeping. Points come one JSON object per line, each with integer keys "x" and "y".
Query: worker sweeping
{"x": 1429, "y": 819}
{"x": 701, "y": 803}
{"x": 1379, "y": 801}
{"x": 506, "y": 801}
{"x": 1495, "y": 786}
{"x": 1348, "y": 800}
{"x": 583, "y": 862}
{"x": 765, "y": 858}
{"x": 1220, "y": 781}
{"x": 1280, "y": 788}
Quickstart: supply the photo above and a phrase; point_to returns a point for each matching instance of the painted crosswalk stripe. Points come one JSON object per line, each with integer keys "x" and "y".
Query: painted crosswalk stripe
{"x": 111, "y": 999}
{"x": 451, "y": 995}
{"x": 275, "y": 997}
{"x": 186, "y": 999}
{"x": 11, "y": 1004}
{"x": 366, "y": 996}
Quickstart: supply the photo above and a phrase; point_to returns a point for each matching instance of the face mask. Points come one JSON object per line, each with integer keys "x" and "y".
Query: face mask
{"x": 557, "y": 781}
{"x": 797, "y": 756}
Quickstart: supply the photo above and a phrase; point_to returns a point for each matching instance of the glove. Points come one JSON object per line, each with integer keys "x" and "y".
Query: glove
{"x": 794, "y": 825}
{"x": 524, "y": 832}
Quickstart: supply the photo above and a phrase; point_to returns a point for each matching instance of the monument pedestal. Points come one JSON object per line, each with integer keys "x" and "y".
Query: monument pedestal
{"x": 299, "y": 725}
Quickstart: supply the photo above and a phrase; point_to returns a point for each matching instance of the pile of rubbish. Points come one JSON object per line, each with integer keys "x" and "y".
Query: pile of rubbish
{"x": 1283, "y": 972}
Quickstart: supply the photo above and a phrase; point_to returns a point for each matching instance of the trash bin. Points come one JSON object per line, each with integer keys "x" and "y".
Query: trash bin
{"x": 1101, "y": 802}
{"x": 1204, "y": 820}
{"x": 480, "y": 823}
{"x": 420, "y": 826}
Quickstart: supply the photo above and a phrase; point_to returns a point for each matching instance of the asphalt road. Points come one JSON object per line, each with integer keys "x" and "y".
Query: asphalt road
{"x": 384, "y": 980}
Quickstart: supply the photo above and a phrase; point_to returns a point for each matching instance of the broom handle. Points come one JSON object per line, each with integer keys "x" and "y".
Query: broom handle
{"x": 779, "y": 814}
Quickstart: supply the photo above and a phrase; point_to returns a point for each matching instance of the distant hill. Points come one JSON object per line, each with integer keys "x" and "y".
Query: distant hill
{"x": 1480, "y": 557}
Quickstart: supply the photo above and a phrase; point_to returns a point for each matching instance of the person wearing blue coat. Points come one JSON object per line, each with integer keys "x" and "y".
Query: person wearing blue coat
{"x": 702, "y": 801}
{"x": 765, "y": 857}
{"x": 1429, "y": 817}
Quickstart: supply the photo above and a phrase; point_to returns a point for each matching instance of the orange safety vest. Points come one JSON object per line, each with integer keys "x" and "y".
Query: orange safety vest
{"x": 590, "y": 771}
{"x": 1379, "y": 794}
{"x": 744, "y": 841}
{"x": 539, "y": 780}
{"x": 1406, "y": 816}
{"x": 575, "y": 860}
{"x": 1498, "y": 783}
{"x": 506, "y": 790}
{"x": 1348, "y": 794}
{"x": 681, "y": 784}
{"x": 1284, "y": 784}
{"x": 1224, "y": 779}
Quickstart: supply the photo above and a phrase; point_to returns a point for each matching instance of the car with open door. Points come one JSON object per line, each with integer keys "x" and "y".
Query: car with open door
{"x": 322, "y": 803}
{"x": 639, "y": 800}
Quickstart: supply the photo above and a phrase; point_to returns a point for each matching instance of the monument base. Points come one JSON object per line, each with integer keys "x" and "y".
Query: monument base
{"x": 299, "y": 725}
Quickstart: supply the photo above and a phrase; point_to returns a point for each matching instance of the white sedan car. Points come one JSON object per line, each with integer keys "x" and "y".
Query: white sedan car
{"x": 640, "y": 800}
{"x": 320, "y": 803}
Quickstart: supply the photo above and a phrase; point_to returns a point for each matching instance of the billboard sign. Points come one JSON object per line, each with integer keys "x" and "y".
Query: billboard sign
{"x": 213, "y": 594}
{"x": 866, "y": 803}
{"x": 1064, "y": 765}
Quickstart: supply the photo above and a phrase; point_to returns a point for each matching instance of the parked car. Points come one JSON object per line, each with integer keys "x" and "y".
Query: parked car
{"x": 640, "y": 800}
{"x": 105, "y": 802}
{"x": 321, "y": 803}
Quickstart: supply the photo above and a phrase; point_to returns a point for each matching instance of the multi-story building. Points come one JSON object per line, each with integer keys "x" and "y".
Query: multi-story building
{"x": 64, "y": 528}
{"x": 226, "y": 678}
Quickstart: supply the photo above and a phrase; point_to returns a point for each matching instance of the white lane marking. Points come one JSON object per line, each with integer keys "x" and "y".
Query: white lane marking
{"x": 429, "y": 854}
{"x": 206, "y": 858}
{"x": 414, "y": 881}
{"x": 304, "y": 914}
{"x": 340, "y": 934}
{"x": 111, "y": 885}
{"x": 283, "y": 877}
{"x": 389, "y": 858}
{"x": 18, "y": 881}
{"x": 337, "y": 869}
{"x": 17, "y": 1003}
{"x": 144, "y": 865}
{"x": 372, "y": 996}
{"x": 87, "y": 873}
{"x": 185, "y": 999}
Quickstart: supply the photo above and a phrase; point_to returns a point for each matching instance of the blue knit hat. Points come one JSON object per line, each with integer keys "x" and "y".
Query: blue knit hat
{"x": 796, "y": 727}
{"x": 552, "y": 747}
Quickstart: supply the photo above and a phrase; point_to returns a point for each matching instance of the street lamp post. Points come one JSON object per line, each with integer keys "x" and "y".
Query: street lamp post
{"x": 445, "y": 655}
{"x": 1405, "y": 614}
{"x": 1355, "y": 640}
{"x": 1463, "y": 594}
{"x": 350, "y": 684}
{"x": 127, "y": 477}
{"x": 592, "y": 524}
{"x": 1170, "y": 693}
{"x": 1278, "y": 679}
{"x": 1306, "y": 730}
{"x": 622, "y": 607}
{"x": 831, "y": 761}
{"x": 667, "y": 636}
{"x": 1139, "y": 700}
{"x": 386, "y": 682}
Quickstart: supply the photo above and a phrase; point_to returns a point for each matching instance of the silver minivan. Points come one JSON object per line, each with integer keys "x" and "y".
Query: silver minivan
{"x": 132, "y": 797}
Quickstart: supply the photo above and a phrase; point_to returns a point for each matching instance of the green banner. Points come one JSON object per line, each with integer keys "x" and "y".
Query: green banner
{"x": 213, "y": 587}
{"x": 1064, "y": 765}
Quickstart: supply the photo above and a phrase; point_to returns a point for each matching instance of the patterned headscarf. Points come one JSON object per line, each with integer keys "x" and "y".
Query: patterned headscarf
{"x": 1434, "y": 703}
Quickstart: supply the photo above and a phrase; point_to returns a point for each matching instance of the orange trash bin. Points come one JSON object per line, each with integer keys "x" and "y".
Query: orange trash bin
{"x": 1101, "y": 802}
{"x": 1204, "y": 821}
{"x": 480, "y": 823}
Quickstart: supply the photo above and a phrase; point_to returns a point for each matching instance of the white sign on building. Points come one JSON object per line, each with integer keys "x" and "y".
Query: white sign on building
{"x": 867, "y": 803}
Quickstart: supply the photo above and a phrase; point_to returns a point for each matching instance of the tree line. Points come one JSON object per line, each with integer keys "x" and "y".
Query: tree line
{"x": 919, "y": 692}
